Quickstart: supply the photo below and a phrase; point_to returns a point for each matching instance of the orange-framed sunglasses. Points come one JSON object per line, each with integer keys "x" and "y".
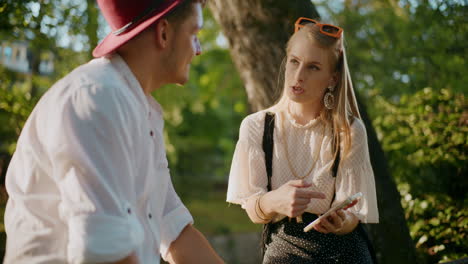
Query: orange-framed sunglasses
{"x": 327, "y": 29}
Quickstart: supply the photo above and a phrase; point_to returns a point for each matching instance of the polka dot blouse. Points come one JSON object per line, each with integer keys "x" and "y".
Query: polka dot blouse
{"x": 305, "y": 144}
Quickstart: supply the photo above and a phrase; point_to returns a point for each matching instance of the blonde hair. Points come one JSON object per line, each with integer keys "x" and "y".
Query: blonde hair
{"x": 340, "y": 118}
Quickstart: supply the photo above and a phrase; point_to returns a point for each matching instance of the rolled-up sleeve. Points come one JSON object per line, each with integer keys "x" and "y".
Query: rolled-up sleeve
{"x": 175, "y": 218}
{"x": 93, "y": 167}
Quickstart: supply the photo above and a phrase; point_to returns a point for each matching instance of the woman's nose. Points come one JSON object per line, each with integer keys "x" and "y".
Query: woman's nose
{"x": 299, "y": 74}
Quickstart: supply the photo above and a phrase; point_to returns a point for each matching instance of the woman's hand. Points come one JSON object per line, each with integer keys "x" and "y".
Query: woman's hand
{"x": 291, "y": 199}
{"x": 340, "y": 222}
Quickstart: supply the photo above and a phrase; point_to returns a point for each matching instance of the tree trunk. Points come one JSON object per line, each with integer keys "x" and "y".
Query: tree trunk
{"x": 257, "y": 31}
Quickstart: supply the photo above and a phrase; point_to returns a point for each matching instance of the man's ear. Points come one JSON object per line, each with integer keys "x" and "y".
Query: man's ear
{"x": 162, "y": 31}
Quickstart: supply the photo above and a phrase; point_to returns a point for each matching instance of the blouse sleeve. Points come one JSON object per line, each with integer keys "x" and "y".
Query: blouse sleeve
{"x": 355, "y": 175}
{"x": 247, "y": 177}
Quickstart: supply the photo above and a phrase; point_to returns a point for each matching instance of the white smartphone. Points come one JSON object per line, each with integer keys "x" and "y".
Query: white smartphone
{"x": 351, "y": 201}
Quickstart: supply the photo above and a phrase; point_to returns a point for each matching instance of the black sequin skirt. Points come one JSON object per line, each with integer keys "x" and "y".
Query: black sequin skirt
{"x": 288, "y": 244}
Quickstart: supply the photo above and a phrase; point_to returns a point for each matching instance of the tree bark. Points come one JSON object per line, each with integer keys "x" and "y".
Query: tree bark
{"x": 257, "y": 32}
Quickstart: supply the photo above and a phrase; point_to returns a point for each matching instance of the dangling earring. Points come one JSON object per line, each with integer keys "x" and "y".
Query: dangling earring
{"x": 329, "y": 98}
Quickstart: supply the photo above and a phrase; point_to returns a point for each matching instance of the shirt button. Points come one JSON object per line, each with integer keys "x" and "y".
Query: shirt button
{"x": 150, "y": 215}
{"x": 129, "y": 211}
{"x": 151, "y": 133}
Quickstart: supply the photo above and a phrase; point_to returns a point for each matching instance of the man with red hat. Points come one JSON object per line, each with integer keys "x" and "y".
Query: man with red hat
{"x": 89, "y": 181}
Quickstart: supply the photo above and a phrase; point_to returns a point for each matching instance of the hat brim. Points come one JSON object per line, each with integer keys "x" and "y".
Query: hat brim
{"x": 112, "y": 42}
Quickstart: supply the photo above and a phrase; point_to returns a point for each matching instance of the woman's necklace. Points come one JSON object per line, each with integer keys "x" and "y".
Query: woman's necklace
{"x": 287, "y": 152}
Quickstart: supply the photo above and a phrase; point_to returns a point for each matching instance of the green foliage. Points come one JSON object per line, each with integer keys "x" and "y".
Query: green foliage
{"x": 438, "y": 225}
{"x": 17, "y": 99}
{"x": 2, "y": 226}
{"x": 16, "y": 104}
{"x": 399, "y": 47}
{"x": 425, "y": 137}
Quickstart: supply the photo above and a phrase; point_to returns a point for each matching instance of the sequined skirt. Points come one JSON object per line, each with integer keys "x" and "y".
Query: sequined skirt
{"x": 288, "y": 243}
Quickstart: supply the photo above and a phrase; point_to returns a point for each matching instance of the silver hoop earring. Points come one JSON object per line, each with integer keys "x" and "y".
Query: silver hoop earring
{"x": 329, "y": 98}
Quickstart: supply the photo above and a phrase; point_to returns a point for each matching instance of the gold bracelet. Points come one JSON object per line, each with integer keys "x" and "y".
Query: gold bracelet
{"x": 257, "y": 204}
{"x": 259, "y": 207}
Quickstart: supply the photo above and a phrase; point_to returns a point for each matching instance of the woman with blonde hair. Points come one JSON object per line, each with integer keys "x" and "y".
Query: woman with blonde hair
{"x": 306, "y": 154}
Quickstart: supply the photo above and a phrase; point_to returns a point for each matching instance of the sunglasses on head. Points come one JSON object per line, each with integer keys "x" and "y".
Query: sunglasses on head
{"x": 326, "y": 29}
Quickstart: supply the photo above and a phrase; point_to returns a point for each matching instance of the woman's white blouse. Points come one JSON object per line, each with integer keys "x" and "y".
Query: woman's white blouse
{"x": 89, "y": 181}
{"x": 306, "y": 143}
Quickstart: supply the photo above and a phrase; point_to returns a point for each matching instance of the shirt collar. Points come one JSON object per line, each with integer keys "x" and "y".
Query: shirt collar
{"x": 147, "y": 100}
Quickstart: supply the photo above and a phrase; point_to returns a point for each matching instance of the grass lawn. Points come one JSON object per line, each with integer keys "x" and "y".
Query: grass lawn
{"x": 214, "y": 216}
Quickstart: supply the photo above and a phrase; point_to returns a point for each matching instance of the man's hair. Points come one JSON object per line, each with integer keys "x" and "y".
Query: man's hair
{"x": 176, "y": 15}
{"x": 182, "y": 10}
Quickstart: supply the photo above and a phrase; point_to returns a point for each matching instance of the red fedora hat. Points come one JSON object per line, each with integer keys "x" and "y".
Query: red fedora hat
{"x": 128, "y": 18}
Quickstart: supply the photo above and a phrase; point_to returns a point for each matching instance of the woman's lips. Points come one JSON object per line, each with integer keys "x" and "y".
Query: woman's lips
{"x": 297, "y": 89}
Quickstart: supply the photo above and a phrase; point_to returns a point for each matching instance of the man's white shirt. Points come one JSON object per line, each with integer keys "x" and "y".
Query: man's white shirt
{"x": 89, "y": 180}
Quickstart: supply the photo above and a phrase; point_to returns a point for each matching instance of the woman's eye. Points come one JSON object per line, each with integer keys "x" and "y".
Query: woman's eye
{"x": 293, "y": 61}
{"x": 313, "y": 67}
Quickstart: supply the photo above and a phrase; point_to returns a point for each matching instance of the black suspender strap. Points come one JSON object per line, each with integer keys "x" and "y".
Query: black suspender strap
{"x": 268, "y": 145}
{"x": 336, "y": 163}
{"x": 335, "y": 166}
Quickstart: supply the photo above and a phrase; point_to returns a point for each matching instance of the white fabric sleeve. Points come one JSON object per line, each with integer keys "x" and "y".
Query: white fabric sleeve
{"x": 355, "y": 175}
{"x": 93, "y": 167}
{"x": 248, "y": 176}
{"x": 175, "y": 218}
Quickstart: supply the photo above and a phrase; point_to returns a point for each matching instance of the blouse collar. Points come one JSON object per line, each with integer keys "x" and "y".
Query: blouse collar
{"x": 294, "y": 122}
